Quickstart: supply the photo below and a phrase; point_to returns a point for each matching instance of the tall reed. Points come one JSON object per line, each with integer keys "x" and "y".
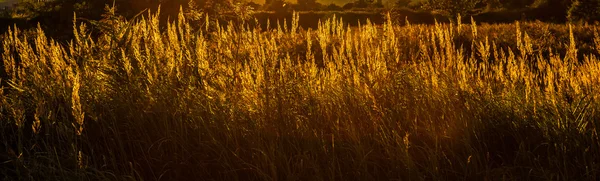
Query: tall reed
{"x": 152, "y": 101}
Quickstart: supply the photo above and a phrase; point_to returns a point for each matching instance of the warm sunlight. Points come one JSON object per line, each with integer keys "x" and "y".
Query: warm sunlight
{"x": 300, "y": 90}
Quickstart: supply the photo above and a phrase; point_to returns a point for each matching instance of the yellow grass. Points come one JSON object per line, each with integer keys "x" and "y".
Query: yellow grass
{"x": 152, "y": 102}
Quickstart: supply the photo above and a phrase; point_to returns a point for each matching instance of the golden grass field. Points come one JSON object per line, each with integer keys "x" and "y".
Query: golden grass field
{"x": 194, "y": 100}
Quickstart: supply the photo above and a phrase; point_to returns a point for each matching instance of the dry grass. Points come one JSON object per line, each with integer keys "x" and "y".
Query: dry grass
{"x": 335, "y": 103}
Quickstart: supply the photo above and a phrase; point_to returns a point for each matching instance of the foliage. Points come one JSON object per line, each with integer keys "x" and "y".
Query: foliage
{"x": 584, "y": 10}
{"x": 403, "y": 3}
{"x": 367, "y": 4}
{"x": 348, "y": 6}
{"x": 333, "y": 7}
{"x": 308, "y": 5}
{"x": 279, "y": 6}
{"x": 390, "y": 102}
{"x": 516, "y": 4}
{"x": 93, "y": 8}
{"x": 452, "y": 8}
{"x": 28, "y": 8}
{"x": 243, "y": 10}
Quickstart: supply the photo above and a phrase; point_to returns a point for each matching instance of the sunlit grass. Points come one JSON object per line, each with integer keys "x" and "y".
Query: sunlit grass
{"x": 432, "y": 102}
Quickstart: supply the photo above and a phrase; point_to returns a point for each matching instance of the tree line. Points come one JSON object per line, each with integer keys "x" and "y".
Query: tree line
{"x": 567, "y": 10}
{"x": 62, "y": 10}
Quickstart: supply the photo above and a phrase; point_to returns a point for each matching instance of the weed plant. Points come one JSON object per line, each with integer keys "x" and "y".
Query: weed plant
{"x": 151, "y": 101}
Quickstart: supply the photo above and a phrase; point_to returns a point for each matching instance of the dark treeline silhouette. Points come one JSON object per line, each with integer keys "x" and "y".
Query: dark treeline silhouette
{"x": 57, "y": 16}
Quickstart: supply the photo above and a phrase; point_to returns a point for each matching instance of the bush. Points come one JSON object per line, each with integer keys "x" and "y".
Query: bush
{"x": 348, "y": 6}
{"x": 401, "y": 15}
{"x": 584, "y": 10}
{"x": 452, "y": 8}
{"x": 278, "y": 6}
{"x": 403, "y": 3}
{"x": 333, "y": 7}
{"x": 308, "y": 5}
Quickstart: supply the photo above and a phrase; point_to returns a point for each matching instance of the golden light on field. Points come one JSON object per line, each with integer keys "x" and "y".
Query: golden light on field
{"x": 214, "y": 96}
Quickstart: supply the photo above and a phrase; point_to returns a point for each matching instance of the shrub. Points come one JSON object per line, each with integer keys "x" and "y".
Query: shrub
{"x": 308, "y": 5}
{"x": 279, "y": 6}
{"x": 402, "y": 3}
{"x": 348, "y": 6}
{"x": 333, "y": 7}
{"x": 584, "y": 10}
{"x": 452, "y": 8}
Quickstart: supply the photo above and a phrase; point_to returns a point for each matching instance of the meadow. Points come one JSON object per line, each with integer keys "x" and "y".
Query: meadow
{"x": 201, "y": 100}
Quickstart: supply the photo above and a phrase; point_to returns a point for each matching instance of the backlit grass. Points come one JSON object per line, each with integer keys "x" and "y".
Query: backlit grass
{"x": 197, "y": 100}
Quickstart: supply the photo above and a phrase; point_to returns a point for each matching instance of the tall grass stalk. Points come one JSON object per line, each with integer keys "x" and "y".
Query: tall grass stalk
{"x": 152, "y": 101}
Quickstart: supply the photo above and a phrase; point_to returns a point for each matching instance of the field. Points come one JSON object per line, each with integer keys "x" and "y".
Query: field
{"x": 197, "y": 100}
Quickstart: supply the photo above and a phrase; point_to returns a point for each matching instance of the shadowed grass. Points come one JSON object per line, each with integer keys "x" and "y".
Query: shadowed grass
{"x": 413, "y": 102}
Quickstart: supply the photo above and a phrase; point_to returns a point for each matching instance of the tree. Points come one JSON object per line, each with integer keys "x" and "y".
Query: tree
{"x": 348, "y": 6}
{"x": 307, "y": 5}
{"x": 333, "y": 7}
{"x": 584, "y": 10}
{"x": 402, "y": 3}
{"x": 452, "y": 8}
{"x": 515, "y": 4}
{"x": 362, "y": 3}
{"x": 365, "y": 4}
{"x": 253, "y": 5}
{"x": 279, "y": 6}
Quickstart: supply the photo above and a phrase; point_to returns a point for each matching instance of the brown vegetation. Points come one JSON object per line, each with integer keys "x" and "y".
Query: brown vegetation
{"x": 414, "y": 102}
